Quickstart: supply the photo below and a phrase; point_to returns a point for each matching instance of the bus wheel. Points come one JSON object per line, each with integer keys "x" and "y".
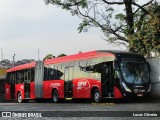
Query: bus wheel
{"x": 96, "y": 96}
{"x": 19, "y": 99}
{"x": 55, "y": 96}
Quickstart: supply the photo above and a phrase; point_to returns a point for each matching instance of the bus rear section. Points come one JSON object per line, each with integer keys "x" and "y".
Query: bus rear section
{"x": 19, "y": 82}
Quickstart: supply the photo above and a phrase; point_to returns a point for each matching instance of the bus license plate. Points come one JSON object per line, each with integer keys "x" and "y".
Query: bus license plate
{"x": 139, "y": 94}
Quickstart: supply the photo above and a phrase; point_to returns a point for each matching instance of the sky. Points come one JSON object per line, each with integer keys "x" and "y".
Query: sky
{"x": 29, "y": 25}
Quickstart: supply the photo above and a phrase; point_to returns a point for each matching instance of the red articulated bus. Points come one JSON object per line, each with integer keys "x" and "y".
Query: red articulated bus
{"x": 94, "y": 75}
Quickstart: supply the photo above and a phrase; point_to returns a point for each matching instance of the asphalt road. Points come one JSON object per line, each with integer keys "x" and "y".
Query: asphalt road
{"x": 145, "y": 109}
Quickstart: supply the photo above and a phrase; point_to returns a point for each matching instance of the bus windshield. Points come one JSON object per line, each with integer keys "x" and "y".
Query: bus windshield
{"x": 135, "y": 72}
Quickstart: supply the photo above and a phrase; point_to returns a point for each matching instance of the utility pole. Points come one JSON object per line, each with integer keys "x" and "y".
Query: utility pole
{"x": 1, "y": 53}
{"x": 13, "y": 59}
{"x": 38, "y": 55}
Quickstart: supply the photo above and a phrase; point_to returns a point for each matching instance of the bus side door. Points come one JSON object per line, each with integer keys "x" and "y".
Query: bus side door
{"x": 27, "y": 77}
{"x": 68, "y": 89}
{"x": 13, "y": 81}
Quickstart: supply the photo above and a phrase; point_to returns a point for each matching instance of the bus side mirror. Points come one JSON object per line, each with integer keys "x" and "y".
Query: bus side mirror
{"x": 115, "y": 65}
{"x": 148, "y": 66}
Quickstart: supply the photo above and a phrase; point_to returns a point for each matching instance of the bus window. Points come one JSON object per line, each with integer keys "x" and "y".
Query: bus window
{"x": 27, "y": 75}
{"x": 13, "y": 78}
{"x": 8, "y": 78}
{"x": 109, "y": 58}
{"x": 76, "y": 69}
{"x": 45, "y": 73}
{"x": 82, "y": 71}
{"x": 20, "y": 77}
{"x": 94, "y": 67}
{"x": 60, "y": 72}
{"x": 32, "y": 74}
{"x": 52, "y": 72}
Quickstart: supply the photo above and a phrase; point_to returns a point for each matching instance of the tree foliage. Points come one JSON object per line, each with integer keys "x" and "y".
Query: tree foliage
{"x": 48, "y": 56}
{"x": 121, "y": 21}
{"x": 62, "y": 55}
{"x": 147, "y": 39}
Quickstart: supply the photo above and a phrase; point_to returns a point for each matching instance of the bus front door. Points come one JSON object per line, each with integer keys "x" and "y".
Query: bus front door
{"x": 107, "y": 80}
{"x": 68, "y": 89}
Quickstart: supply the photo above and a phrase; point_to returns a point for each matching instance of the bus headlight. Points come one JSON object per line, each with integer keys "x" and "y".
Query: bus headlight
{"x": 125, "y": 87}
{"x": 149, "y": 89}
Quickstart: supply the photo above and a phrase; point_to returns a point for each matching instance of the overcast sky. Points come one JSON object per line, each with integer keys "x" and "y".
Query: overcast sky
{"x": 29, "y": 25}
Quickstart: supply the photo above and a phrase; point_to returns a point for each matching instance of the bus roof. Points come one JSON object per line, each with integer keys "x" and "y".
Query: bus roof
{"x": 116, "y": 52}
{"x": 21, "y": 67}
{"x": 79, "y": 56}
{"x": 91, "y": 54}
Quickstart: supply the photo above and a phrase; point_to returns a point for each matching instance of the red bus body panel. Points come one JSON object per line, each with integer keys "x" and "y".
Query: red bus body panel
{"x": 32, "y": 90}
{"x": 48, "y": 86}
{"x": 82, "y": 87}
{"x": 7, "y": 92}
{"x": 117, "y": 93}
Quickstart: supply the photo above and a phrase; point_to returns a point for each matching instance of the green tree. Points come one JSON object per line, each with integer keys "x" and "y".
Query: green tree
{"x": 119, "y": 26}
{"x": 61, "y": 55}
{"x": 48, "y": 56}
{"x": 147, "y": 39}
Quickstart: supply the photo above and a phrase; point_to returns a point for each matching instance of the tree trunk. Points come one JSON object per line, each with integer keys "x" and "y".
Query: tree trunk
{"x": 129, "y": 20}
{"x": 129, "y": 16}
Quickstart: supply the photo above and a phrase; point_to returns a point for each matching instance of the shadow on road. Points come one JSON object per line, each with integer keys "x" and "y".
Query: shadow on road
{"x": 118, "y": 101}
{"x": 134, "y": 100}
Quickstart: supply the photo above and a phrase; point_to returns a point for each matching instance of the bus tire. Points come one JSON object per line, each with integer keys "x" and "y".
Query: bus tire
{"x": 19, "y": 97}
{"x": 55, "y": 96}
{"x": 96, "y": 96}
